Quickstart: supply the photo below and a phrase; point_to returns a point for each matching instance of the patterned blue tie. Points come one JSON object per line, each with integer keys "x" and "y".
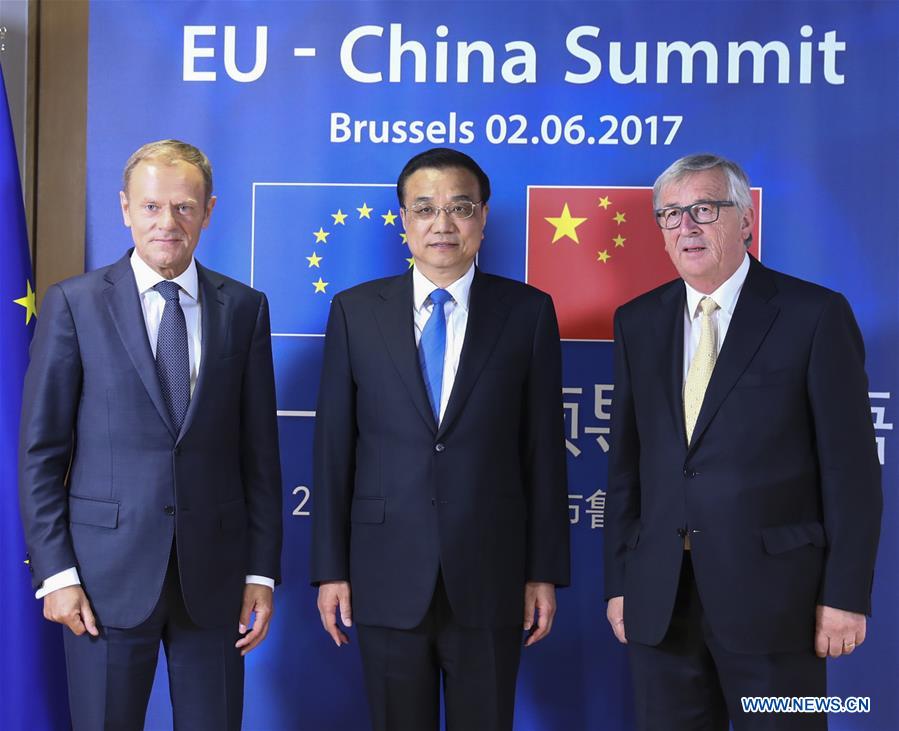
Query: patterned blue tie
{"x": 172, "y": 362}
{"x": 432, "y": 349}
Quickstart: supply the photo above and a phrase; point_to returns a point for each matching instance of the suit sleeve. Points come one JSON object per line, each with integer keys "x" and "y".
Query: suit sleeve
{"x": 623, "y": 494}
{"x": 545, "y": 475}
{"x": 851, "y": 497}
{"x": 334, "y": 455}
{"x": 260, "y": 460}
{"x": 46, "y": 437}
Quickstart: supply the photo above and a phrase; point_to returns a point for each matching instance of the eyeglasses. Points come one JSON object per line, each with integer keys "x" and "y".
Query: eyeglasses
{"x": 700, "y": 212}
{"x": 458, "y": 211}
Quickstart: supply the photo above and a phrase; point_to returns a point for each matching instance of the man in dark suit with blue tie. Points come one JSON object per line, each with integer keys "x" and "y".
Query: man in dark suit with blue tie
{"x": 440, "y": 513}
{"x": 150, "y": 484}
{"x": 744, "y": 501}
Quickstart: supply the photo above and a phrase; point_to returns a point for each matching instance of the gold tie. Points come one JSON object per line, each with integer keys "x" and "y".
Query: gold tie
{"x": 701, "y": 366}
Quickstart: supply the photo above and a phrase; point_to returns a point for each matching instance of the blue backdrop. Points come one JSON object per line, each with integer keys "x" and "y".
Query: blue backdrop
{"x": 804, "y": 95}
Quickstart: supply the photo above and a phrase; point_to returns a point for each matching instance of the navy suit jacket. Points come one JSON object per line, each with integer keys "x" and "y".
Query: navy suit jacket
{"x": 482, "y": 497}
{"x": 105, "y": 481}
{"x": 780, "y": 485}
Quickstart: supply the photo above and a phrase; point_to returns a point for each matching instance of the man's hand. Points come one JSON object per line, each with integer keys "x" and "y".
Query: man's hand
{"x": 541, "y": 596}
{"x": 261, "y": 600}
{"x": 615, "y": 615}
{"x": 837, "y": 632}
{"x": 334, "y": 596}
{"x": 70, "y": 606}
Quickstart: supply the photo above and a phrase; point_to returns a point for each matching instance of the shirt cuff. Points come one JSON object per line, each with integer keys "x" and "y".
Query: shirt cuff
{"x": 263, "y": 580}
{"x": 69, "y": 577}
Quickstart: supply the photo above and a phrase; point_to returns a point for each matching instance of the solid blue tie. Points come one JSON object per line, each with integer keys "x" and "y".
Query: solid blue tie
{"x": 172, "y": 361}
{"x": 432, "y": 348}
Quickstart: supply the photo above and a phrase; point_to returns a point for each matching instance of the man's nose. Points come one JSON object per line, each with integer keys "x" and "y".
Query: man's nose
{"x": 443, "y": 221}
{"x": 166, "y": 217}
{"x": 688, "y": 225}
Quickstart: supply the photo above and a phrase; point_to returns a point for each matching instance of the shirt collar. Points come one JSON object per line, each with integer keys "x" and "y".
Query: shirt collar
{"x": 147, "y": 278}
{"x": 725, "y": 296}
{"x": 459, "y": 290}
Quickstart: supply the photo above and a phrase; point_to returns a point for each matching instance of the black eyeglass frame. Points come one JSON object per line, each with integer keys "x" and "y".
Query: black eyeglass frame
{"x": 689, "y": 210}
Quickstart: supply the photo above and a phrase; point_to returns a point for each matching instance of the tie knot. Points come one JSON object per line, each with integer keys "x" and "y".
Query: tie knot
{"x": 440, "y": 297}
{"x": 168, "y": 290}
{"x": 708, "y": 306}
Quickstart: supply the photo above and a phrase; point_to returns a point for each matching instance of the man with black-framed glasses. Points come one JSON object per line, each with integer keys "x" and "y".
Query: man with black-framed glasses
{"x": 744, "y": 502}
{"x": 441, "y": 514}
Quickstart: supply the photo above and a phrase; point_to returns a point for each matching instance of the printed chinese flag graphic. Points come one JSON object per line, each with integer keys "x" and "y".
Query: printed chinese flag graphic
{"x": 593, "y": 249}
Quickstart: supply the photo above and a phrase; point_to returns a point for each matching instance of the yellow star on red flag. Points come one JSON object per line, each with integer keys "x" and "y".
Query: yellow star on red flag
{"x": 566, "y": 225}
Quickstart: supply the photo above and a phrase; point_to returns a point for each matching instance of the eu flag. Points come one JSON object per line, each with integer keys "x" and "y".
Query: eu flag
{"x": 32, "y": 666}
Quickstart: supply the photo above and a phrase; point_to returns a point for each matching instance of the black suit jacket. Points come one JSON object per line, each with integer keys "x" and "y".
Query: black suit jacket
{"x": 105, "y": 480}
{"x": 780, "y": 485}
{"x": 481, "y": 498}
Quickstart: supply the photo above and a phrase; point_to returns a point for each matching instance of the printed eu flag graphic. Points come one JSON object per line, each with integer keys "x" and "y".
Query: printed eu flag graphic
{"x": 32, "y": 667}
{"x": 313, "y": 240}
{"x": 595, "y": 248}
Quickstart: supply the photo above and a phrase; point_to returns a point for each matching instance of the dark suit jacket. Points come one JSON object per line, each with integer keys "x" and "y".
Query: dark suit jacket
{"x": 780, "y": 486}
{"x": 482, "y": 497}
{"x": 101, "y": 466}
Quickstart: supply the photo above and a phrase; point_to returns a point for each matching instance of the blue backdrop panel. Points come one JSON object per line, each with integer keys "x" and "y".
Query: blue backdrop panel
{"x": 804, "y": 95}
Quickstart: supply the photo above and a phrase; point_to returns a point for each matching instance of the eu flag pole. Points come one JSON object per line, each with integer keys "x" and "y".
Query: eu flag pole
{"x": 32, "y": 666}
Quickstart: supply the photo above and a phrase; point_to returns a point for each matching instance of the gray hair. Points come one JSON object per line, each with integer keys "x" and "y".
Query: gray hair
{"x": 169, "y": 152}
{"x": 737, "y": 180}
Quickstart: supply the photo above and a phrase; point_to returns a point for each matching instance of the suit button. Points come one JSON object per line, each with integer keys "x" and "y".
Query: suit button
{"x": 688, "y": 473}
{"x": 177, "y": 451}
{"x": 681, "y": 532}
{"x": 433, "y": 501}
{"x": 169, "y": 510}
{"x": 439, "y": 447}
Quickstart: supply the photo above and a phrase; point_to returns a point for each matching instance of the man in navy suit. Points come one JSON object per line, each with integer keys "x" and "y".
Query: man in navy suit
{"x": 744, "y": 499}
{"x": 440, "y": 515}
{"x": 150, "y": 484}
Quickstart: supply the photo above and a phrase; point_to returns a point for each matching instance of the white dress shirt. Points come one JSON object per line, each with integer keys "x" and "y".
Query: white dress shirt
{"x": 456, "y": 322}
{"x": 152, "y": 304}
{"x": 726, "y": 297}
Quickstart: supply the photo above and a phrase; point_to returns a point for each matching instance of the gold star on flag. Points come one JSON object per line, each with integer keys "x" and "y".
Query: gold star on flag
{"x": 566, "y": 225}
{"x": 619, "y": 217}
{"x": 339, "y": 218}
{"x": 604, "y": 202}
{"x": 411, "y": 261}
{"x": 321, "y": 236}
{"x": 389, "y": 218}
{"x": 619, "y": 240}
{"x": 365, "y": 211}
{"x": 27, "y": 302}
{"x": 314, "y": 260}
{"x": 404, "y": 238}
{"x": 603, "y": 256}
{"x": 320, "y": 285}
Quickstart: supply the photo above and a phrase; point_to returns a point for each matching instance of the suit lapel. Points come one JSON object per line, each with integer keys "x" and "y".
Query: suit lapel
{"x": 669, "y": 331}
{"x": 485, "y": 323}
{"x": 123, "y": 302}
{"x": 751, "y": 322}
{"x": 394, "y": 318}
{"x": 214, "y": 335}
